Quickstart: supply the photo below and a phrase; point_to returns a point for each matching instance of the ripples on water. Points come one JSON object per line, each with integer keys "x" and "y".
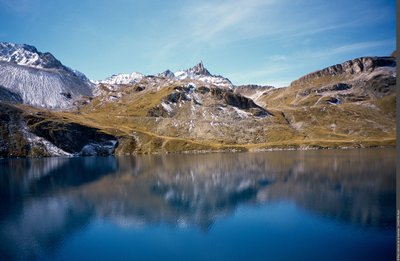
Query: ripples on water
{"x": 273, "y": 205}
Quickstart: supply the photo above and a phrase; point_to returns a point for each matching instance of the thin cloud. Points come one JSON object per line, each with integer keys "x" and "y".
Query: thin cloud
{"x": 214, "y": 24}
{"x": 209, "y": 19}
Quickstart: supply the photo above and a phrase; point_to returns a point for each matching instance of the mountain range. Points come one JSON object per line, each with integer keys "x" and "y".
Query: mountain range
{"x": 48, "y": 109}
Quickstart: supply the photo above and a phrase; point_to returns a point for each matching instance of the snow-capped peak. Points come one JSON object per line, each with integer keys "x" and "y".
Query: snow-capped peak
{"x": 39, "y": 78}
{"x": 200, "y": 73}
{"x": 27, "y": 55}
{"x": 123, "y": 78}
{"x": 195, "y": 71}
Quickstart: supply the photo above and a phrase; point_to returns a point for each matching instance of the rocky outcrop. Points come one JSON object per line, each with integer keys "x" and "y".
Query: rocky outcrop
{"x": 73, "y": 138}
{"x": 252, "y": 88}
{"x": 244, "y": 103}
{"x": 381, "y": 84}
{"x": 239, "y": 101}
{"x": 176, "y": 97}
{"x": 328, "y": 88}
{"x": 348, "y": 68}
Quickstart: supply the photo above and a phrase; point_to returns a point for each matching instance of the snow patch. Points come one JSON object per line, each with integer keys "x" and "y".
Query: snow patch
{"x": 166, "y": 107}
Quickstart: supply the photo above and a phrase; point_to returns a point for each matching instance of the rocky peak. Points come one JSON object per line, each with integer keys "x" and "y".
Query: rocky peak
{"x": 166, "y": 74}
{"x": 199, "y": 69}
{"x": 27, "y": 55}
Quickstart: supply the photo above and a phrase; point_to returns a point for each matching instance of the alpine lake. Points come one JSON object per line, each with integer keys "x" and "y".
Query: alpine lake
{"x": 278, "y": 205}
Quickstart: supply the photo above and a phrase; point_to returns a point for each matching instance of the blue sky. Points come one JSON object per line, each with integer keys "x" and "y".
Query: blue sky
{"x": 249, "y": 41}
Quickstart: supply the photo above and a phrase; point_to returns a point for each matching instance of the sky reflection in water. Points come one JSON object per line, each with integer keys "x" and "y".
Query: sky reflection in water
{"x": 309, "y": 205}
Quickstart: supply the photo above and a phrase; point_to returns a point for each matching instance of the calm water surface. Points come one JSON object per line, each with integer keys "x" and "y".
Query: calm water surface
{"x": 292, "y": 205}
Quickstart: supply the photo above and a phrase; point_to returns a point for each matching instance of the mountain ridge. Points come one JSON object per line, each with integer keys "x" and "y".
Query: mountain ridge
{"x": 342, "y": 106}
{"x": 197, "y": 72}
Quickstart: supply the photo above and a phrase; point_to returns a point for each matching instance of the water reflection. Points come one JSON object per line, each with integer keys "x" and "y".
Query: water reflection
{"x": 43, "y": 200}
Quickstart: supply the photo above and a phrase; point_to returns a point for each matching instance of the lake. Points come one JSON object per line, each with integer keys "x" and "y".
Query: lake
{"x": 281, "y": 205}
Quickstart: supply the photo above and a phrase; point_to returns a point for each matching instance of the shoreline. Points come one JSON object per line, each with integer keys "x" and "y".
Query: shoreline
{"x": 233, "y": 150}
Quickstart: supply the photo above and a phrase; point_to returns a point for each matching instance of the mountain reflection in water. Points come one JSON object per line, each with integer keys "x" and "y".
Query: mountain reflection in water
{"x": 44, "y": 200}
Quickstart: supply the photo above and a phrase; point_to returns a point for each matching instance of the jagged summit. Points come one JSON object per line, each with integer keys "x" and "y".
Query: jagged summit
{"x": 199, "y": 69}
{"x": 200, "y": 73}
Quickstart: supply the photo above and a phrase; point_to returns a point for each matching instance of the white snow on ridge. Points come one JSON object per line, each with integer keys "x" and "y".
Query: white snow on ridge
{"x": 200, "y": 73}
{"x": 20, "y": 54}
{"x": 27, "y": 55}
{"x": 216, "y": 80}
{"x": 181, "y": 75}
{"x": 123, "y": 78}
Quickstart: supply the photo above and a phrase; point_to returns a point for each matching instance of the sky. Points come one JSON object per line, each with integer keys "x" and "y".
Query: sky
{"x": 267, "y": 42}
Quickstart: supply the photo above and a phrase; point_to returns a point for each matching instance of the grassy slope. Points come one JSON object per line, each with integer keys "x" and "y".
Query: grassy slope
{"x": 293, "y": 126}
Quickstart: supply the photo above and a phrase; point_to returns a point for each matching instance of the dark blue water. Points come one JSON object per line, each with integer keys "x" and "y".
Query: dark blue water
{"x": 291, "y": 205}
